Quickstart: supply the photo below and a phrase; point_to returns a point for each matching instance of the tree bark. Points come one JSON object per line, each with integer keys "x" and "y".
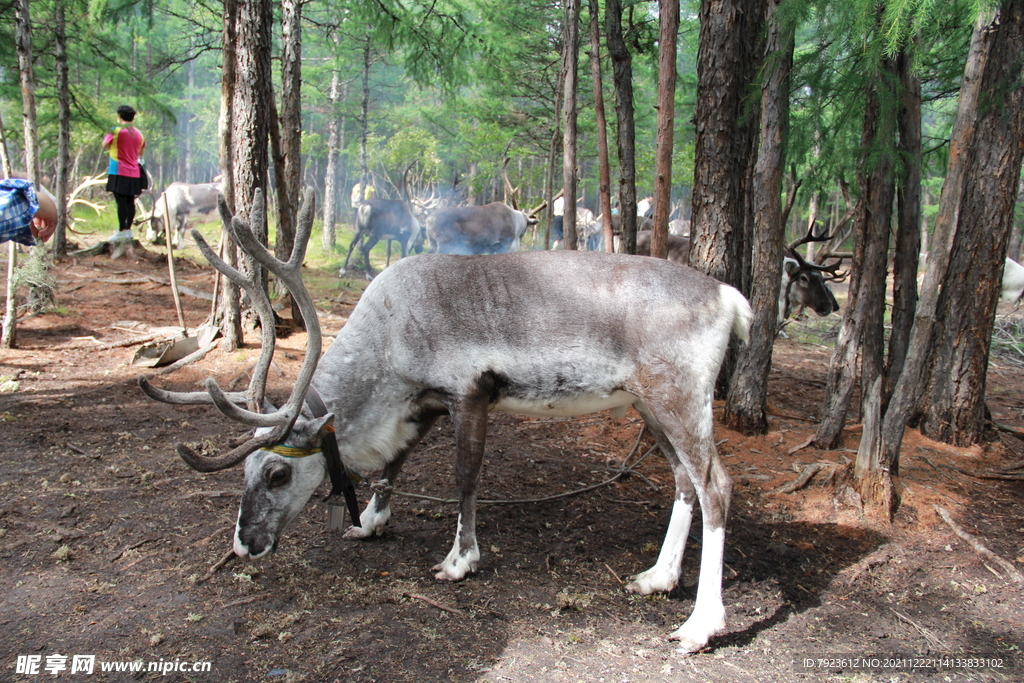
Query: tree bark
{"x": 23, "y": 46}
{"x": 23, "y": 41}
{"x": 328, "y": 236}
{"x": 63, "y": 130}
{"x": 230, "y": 311}
{"x": 955, "y": 410}
{"x": 290, "y": 129}
{"x": 549, "y": 171}
{"x": 746, "y": 407}
{"x": 622, "y": 75}
{"x": 862, "y": 324}
{"x": 908, "y": 232}
{"x": 990, "y": 55}
{"x": 872, "y": 479}
{"x": 251, "y": 110}
{"x": 727, "y": 125}
{"x": 364, "y": 119}
{"x": 668, "y": 19}
{"x": 571, "y": 47}
{"x": 604, "y": 172}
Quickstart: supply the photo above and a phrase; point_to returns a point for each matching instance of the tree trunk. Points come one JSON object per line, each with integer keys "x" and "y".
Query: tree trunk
{"x": 991, "y": 53}
{"x": 549, "y": 173}
{"x": 364, "y": 121}
{"x": 331, "y": 175}
{"x": 908, "y": 233}
{"x": 230, "y": 312}
{"x": 955, "y": 410}
{"x": 863, "y": 319}
{"x": 873, "y": 481}
{"x": 724, "y": 154}
{"x": 726, "y": 67}
{"x": 746, "y": 408}
{"x": 571, "y": 47}
{"x": 63, "y": 130}
{"x": 290, "y": 130}
{"x": 604, "y": 173}
{"x": 668, "y": 19}
{"x": 23, "y": 41}
{"x": 251, "y": 116}
{"x": 622, "y": 74}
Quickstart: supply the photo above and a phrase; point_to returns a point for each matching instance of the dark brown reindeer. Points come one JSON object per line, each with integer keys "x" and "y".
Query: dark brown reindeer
{"x": 537, "y": 333}
{"x": 805, "y": 283}
{"x": 392, "y": 220}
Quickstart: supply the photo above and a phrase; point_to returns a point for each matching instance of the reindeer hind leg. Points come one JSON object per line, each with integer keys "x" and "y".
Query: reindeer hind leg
{"x": 687, "y": 425}
{"x": 469, "y": 415}
{"x": 664, "y": 575}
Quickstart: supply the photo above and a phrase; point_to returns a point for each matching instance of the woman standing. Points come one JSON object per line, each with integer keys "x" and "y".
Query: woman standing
{"x": 124, "y": 177}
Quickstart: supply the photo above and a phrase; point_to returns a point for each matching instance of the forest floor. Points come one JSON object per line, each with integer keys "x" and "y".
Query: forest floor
{"x": 106, "y": 536}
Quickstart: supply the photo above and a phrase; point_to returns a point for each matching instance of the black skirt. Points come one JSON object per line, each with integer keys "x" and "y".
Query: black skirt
{"x": 122, "y": 184}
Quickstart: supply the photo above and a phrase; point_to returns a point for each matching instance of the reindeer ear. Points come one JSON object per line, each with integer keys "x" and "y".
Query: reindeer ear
{"x": 791, "y": 266}
{"x": 309, "y": 433}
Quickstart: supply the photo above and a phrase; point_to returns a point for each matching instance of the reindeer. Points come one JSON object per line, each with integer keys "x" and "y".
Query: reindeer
{"x": 536, "y": 333}
{"x": 805, "y": 283}
{"x": 389, "y": 220}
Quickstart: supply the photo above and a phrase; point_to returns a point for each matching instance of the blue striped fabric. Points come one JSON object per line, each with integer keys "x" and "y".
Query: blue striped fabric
{"x": 18, "y": 204}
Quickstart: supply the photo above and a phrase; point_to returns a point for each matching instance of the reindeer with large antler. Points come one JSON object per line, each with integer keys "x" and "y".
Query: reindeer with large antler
{"x": 805, "y": 283}
{"x": 539, "y": 333}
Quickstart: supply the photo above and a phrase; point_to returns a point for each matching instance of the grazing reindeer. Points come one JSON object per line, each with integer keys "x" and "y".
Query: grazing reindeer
{"x": 536, "y": 333}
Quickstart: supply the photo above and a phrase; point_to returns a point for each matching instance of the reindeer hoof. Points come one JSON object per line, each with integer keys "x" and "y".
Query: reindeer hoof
{"x": 698, "y": 629}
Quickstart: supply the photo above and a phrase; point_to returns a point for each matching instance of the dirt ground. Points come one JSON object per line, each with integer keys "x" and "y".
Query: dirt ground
{"x": 106, "y": 535}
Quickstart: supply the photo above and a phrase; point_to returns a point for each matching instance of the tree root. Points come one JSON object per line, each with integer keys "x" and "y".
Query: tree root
{"x": 979, "y": 547}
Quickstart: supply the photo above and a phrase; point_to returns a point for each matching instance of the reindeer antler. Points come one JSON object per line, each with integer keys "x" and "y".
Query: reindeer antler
{"x": 510, "y": 192}
{"x": 823, "y": 236}
{"x": 290, "y": 274}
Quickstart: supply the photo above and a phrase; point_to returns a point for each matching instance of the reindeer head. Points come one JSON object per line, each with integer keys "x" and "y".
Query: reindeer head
{"x": 285, "y": 457}
{"x": 806, "y": 282}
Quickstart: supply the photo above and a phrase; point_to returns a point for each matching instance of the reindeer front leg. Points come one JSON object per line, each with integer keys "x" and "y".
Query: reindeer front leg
{"x": 378, "y": 511}
{"x": 469, "y": 416}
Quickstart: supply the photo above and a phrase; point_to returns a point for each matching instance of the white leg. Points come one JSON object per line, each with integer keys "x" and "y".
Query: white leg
{"x": 708, "y": 616}
{"x": 460, "y": 560}
{"x": 664, "y": 575}
{"x": 372, "y": 521}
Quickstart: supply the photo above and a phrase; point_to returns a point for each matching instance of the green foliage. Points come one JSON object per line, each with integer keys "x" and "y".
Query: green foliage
{"x": 457, "y": 86}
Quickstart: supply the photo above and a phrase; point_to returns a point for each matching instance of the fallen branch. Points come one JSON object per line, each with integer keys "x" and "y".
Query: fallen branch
{"x": 1009, "y": 430}
{"x": 1005, "y": 474}
{"x": 217, "y": 567}
{"x": 929, "y": 636}
{"x": 1019, "y": 465}
{"x": 131, "y": 342}
{"x": 800, "y": 446}
{"x": 432, "y": 603}
{"x": 979, "y": 547}
{"x": 141, "y": 543}
{"x": 804, "y": 479}
{"x": 243, "y": 601}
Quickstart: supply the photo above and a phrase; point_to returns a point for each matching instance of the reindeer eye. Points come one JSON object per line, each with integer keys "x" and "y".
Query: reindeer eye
{"x": 278, "y": 476}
